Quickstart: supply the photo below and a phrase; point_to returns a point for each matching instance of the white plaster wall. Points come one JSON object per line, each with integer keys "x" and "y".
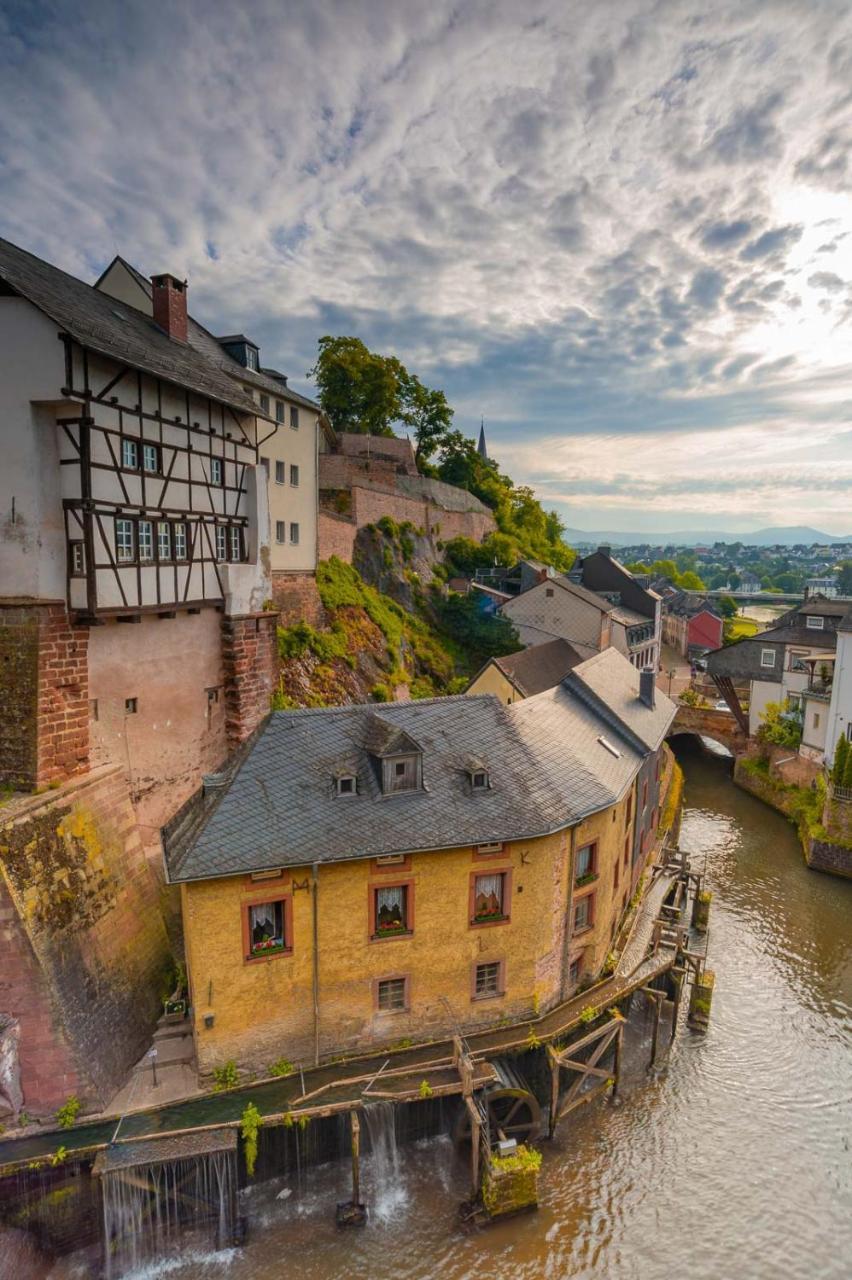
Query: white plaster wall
{"x": 840, "y": 707}
{"x": 290, "y": 503}
{"x": 562, "y": 614}
{"x": 762, "y": 691}
{"x": 32, "y": 368}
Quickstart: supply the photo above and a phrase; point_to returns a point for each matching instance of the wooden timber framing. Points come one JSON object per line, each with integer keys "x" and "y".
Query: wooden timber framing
{"x": 183, "y": 568}
{"x": 584, "y": 1070}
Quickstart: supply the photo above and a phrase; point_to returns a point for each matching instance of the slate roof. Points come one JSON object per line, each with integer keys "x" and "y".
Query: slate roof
{"x": 609, "y": 684}
{"x": 101, "y": 323}
{"x": 547, "y": 770}
{"x": 741, "y": 660}
{"x": 541, "y": 666}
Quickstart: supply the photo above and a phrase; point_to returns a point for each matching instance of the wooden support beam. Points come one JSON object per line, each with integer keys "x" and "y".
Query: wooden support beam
{"x": 616, "y": 1066}
{"x": 356, "y": 1157}
{"x": 678, "y": 986}
{"x": 658, "y": 1008}
{"x": 581, "y": 1102}
{"x": 475, "y": 1143}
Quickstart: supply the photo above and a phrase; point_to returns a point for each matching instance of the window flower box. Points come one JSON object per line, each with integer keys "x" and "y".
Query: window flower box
{"x": 391, "y": 931}
{"x": 267, "y": 947}
{"x": 589, "y": 878}
{"x": 483, "y": 917}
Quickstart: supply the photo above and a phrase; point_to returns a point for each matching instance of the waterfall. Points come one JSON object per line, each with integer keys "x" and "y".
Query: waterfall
{"x": 388, "y": 1192}
{"x": 149, "y": 1207}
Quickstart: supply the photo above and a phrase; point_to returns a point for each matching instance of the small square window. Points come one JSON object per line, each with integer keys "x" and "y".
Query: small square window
{"x": 266, "y": 929}
{"x": 212, "y": 697}
{"x": 151, "y": 458}
{"x": 487, "y": 980}
{"x": 548, "y": 591}
{"x": 391, "y": 995}
{"x": 279, "y": 410}
{"x": 489, "y": 893}
{"x": 280, "y": 531}
{"x": 294, "y": 534}
{"x": 347, "y": 786}
{"x": 280, "y": 473}
{"x": 294, "y": 417}
{"x": 78, "y": 560}
{"x": 130, "y": 455}
{"x": 815, "y": 623}
{"x": 767, "y": 657}
{"x": 215, "y": 470}
{"x": 479, "y": 780}
{"x": 131, "y": 706}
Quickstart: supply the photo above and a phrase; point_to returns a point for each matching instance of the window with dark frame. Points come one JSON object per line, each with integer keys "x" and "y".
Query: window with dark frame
{"x": 390, "y": 995}
{"x": 488, "y": 897}
{"x": 294, "y": 417}
{"x": 347, "y": 785}
{"x": 264, "y": 403}
{"x": 279, "y": 410}
{"x": 125, "y": 551}
{"x": 280, "y": 472}
{"x": 487, "y": 980}
{"x": 575, "y": 971}
{"x": 479, "y": 780}
{"x": 78, "y": 559}
{"x": 294, "y": 534}
{"x": 215, "y": 470}
{"x": 280, "y": 531}
{"x": 266, "y": 923}
{"x": 390, "y": 907}
{"x": 294, "y": 475}
{"x": 264, "y": 462}
{"x": 131, "y": 706}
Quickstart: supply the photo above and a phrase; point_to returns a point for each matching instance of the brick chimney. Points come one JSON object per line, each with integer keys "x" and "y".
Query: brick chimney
{"x": 648, "y": 687}
{"x": 605, "y": 551}
{"x": 169, "y": 298}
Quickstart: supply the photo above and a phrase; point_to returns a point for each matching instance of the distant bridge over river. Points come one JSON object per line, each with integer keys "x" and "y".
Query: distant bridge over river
{"x": 707, "y": 722}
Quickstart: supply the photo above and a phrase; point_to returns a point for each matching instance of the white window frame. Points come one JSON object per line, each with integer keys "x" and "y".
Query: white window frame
{"x": 125, "y": 542}
{"x": 151, "y": 452}
{"x": 770, "y": 653}
{"x": 129, "y": 454}
{"x": 221, "y": 543}
{"x": 235, "y": 538}
{"x": 145, "y": 541}
{"x": 180, "y": 541}
{"x": 814, "y": 622}
{"x": 164, "y": 540}
{"x": 217, "y": 471}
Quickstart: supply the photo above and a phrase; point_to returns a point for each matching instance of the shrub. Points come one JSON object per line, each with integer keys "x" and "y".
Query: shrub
{"x": 67, "y": 1113}
{"x": 841, "y": 754}
{"x": 226, "y": 1076}
{"x": 249, "y": 1127}
{"x": 283, "y": 1067}
{"x": 425, "y": 1089}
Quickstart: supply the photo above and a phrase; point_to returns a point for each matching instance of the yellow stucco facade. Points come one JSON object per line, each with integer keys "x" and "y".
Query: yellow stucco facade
{"x": 257, "y": 1010}
{"x": 492, "y": 680}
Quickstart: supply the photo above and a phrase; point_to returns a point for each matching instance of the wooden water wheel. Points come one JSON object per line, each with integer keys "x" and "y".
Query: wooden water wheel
{"x": 513, "y": 1109}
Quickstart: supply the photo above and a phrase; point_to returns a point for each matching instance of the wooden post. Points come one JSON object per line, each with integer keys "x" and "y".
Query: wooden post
{"x": 356, "y": 1157}
{"x": 701, "y": 1000}
{"x": 554, "y": 1088}
{"x": 658, "y": 1007}
{"x": 701, "y": 910}
{"x": 677, "y": 979}
{"x": 616, "y": 1066}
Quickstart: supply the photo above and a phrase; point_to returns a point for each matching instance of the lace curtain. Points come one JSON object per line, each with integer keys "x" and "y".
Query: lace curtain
{"x": 488, "y": 900}
{"x": 390, "y": 908}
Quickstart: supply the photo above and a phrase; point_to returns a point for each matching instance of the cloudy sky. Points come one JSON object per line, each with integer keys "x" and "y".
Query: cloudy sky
{"x": 619, "y": 230}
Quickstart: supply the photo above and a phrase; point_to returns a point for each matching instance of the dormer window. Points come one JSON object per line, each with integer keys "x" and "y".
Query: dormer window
{"x": 479, "y": 780}
{"x": 401, "y": 773}
{"x": 347, "y": 785}
{"x": 396, "y": 757}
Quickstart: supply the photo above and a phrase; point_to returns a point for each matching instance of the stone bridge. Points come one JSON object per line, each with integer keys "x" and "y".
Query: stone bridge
{"x": 709, "y": 723}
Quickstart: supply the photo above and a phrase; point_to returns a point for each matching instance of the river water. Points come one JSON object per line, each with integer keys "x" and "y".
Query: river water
{"x": 732, "y": 1161}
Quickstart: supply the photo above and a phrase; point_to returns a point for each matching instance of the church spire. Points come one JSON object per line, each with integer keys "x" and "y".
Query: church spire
{"x": 481, "y": 447}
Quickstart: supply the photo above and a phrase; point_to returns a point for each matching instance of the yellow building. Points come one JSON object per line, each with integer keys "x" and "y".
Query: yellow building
{"x": 365, "y": 876}
{"x": 529, "y": 671}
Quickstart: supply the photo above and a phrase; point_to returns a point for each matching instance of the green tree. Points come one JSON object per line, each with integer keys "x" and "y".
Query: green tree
{"x": 847, "y": 771}
{"x": 481, "y": 635}
{"x": 844, "y": 578}
{"x": 728, "y": 606}
{"x": 426, "y": 413}
{"x": 777, "y": 727}
{"x": 841, "y": 754}
{"x": 690, "y": 581}
{"x": 358, "y": 390}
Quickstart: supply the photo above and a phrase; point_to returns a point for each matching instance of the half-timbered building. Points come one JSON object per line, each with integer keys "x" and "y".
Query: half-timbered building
{"x": 135, "y": 557}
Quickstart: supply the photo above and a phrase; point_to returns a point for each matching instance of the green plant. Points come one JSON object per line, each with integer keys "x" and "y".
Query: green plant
{"x": 841, "y": 754}
{"x": 250, "y": 1123}
{"x": 532, "y": 1041}
{"x": 381, "y": 693}
{"x": 226, "y": 1077}
{"x": 588, "y": 1014}
{"x": 67, "y": 1113}
{"x": 425, "y": 1090}
{"x": 58, "y": 1156}
{"x": 405, "y": 1043}
{"x": 282, "y": 1067}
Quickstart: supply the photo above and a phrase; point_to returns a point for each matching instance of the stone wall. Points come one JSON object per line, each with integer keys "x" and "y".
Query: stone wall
{"x": 297, "y": 599}
{"x": 336, "y": 535}
{"x": 250, "y": 666}
{"x": 44, "y": 694}
{"x": 83, "y": 944}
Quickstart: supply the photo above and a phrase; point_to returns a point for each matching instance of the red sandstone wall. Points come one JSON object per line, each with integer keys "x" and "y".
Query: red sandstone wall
{"x": 250, "y": 666}
{"x": 336, "y": 536}
{"x": 297, "y": 599}
{"x": 83, "y": 945}
{"x": 369, "y": 505}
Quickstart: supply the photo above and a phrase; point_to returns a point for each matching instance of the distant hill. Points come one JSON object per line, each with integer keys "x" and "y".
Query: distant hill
{"x": 784, "y": 535}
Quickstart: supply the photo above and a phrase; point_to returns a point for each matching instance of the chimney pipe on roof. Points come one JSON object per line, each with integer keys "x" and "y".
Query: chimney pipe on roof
{"x": 605, "y": 551}
{"x": 648, "y": 687}
{"x": 169, "y": 298}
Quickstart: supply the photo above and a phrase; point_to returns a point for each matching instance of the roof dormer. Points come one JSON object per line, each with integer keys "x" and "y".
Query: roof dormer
{"x": 242, "y": 349}
{"x": 397, "y": 758}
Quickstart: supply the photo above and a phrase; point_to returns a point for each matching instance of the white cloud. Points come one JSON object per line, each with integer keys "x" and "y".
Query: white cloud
{"x": 581, "y": 219}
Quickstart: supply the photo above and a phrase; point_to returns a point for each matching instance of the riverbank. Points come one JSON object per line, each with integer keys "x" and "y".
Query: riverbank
{"x": 824, "y": 825}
